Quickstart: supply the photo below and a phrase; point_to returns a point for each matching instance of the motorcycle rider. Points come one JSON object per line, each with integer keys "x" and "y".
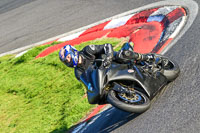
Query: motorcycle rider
{"x": 81, "y": 60}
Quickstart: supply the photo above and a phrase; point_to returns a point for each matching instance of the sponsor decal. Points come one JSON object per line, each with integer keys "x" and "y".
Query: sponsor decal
{"x": 131, "y": 71}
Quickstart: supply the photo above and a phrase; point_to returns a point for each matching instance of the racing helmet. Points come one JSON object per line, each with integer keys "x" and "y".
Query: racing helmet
{"x": 68, "y": 49}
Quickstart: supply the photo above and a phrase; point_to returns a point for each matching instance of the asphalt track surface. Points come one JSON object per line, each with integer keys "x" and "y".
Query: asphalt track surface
{"x": 24, "y": 22}
{"x": 177, "y": 109}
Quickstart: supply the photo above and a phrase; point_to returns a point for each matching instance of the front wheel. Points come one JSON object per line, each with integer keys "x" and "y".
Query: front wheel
{"x": 138, "y": 103}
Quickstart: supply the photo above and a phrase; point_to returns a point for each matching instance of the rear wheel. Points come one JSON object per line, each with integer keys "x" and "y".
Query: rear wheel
{"x": 136, "y": 103}
{"x": 171, "y": 68}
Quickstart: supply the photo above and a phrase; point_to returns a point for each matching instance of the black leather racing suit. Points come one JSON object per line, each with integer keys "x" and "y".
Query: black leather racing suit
{"x": 89, "y": 54}
{"x": 92, "y": 52}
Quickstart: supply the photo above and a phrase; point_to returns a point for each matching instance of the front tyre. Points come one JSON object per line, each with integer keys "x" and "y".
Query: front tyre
{"x": 138, "y": 103}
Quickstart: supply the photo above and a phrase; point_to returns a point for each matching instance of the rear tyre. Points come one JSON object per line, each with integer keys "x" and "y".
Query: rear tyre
{"x": 171, "y": 68}
{"x": 139, "y": 104}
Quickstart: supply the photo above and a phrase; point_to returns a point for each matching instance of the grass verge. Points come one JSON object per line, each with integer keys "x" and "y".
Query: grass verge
{"x": 41, "y": 95}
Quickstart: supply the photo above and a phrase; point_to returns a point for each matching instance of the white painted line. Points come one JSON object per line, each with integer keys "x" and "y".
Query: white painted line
{"x": 79, "y": 128}
{"x": 118, "y": 22}
{"x": 179, "y": 27}
{"x": 163, "y": 10}
{"x": 20, "y": 54}
{"x": 70, "y": 37}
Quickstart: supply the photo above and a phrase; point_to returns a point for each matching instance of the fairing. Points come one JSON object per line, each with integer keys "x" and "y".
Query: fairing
{"x": 120, "y": 72}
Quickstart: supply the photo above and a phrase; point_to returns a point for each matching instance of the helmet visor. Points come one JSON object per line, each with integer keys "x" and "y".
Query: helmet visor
{"x": 69, "y": 56}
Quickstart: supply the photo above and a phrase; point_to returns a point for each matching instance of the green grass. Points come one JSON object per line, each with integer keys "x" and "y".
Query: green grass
{"x": 41, "y": 95}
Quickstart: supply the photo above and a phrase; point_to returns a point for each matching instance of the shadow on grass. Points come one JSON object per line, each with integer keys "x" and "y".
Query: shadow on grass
{"x": 61, "y": 130}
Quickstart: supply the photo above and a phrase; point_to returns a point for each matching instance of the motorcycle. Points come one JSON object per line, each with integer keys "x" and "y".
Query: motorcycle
{"x": 131, "y": 86}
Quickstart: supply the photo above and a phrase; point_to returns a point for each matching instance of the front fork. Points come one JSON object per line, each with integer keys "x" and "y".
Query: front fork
{"x": 122, "y": 89}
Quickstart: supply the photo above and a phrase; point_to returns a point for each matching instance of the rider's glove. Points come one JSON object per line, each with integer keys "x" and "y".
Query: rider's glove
{"x": 149, "y": 57}
{"x": 128, "y": 54}
{"x": 107, "y": 61}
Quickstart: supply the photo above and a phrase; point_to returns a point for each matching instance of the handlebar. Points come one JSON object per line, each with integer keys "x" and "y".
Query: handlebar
{"x": 99, "y": 63}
